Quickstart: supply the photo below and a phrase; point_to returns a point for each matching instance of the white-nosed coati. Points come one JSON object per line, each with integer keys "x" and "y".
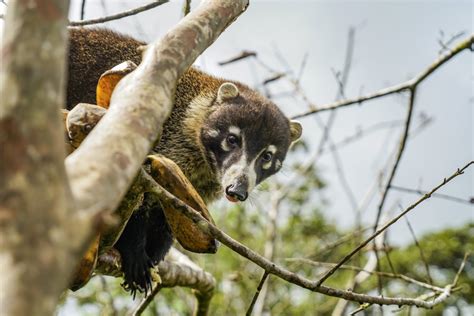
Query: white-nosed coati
{"x": 225, "y": 137}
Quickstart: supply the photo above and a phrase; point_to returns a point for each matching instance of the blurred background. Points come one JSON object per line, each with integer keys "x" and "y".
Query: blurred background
{"x": 314, "y": 52}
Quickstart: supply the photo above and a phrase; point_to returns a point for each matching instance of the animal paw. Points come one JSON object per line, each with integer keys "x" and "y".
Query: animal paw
{"x": 137, "y": 275}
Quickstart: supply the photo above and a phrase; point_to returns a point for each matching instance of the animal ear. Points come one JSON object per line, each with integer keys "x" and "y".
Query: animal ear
{"x": 109, "y": 80}
{"x": 227, "y": 91}
{"x": 295, "y": 130}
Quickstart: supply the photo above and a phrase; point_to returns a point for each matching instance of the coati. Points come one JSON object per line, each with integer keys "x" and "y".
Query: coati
{"x": 224, "y": 136}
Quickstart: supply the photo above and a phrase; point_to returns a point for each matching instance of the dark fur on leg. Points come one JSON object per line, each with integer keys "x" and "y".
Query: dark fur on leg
{"x": 159, "y": 235}
{"x": 143, "y": 244}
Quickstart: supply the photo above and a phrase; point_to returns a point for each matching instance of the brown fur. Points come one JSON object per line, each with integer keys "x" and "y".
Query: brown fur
{"x": 94, "y": 51}
{"x": 196, "y": 137}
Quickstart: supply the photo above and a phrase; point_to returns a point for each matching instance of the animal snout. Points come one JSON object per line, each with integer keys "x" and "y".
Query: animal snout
{"x": 236, "y": 192}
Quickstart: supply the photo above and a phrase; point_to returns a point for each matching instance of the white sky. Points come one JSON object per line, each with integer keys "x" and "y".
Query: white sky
{"x": 394, "y": 40}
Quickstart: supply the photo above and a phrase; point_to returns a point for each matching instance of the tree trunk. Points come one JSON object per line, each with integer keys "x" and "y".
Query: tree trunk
{"x": 34, "y": 195}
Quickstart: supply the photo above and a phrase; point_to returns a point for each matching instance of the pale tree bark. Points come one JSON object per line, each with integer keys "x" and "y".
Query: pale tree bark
{"x": 176, "y": 270}
{"x": 34, "y": 199}
{"x": 42, "y": 228}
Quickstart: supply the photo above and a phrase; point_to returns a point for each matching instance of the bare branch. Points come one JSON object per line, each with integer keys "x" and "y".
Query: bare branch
{"x": 393, "y": 170}
{"x": 436, "y": 195}
{"x": 461, "y": 267}
{"x": 255, "y": 297}
{"x": 410, "y": 84}
{"x": 244, "y": 54}
{"x": 294, "y": 278}
{"x": 398, "y": 158}
{"x": 117, "y": 16}
{"x": 83, "y": 9}
{"x": 146, "y": 301}
{"x": 379, "y": 273}
{"x": 273, "y": 78}
{"x": 391, "y": 222}
{"x": 422, "y": 255}
{"x": 445, "y": 44}
{"x": 176, "y": 270}
{"x": 361, "y": 276}
{"x": 364, "y": 132}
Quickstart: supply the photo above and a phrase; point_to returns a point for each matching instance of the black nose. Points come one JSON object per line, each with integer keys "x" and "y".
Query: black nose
{"x": 237, "y": 192}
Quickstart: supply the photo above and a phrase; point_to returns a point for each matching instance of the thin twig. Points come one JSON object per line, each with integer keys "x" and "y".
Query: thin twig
{"x": 422, "y": 255}
{"x": 386, "y": 249}
{"x": 364, "y": 132}
{"x": 436, "y": 195}
{"x": 273, "y": 78}
{"x": 391, "y": 222}
{"x": 380, "y": 273}
{"x": 361, "y": 276}
{"x": 83, "y": 9}
{"x": 393, "y": 170}
{"x": 326, "y": 127}
{"x": 461, "y": 267}
{"x": 445, "y": 44}
{"x": 400, "y": 152}
{"x": 302, "y": 68}
{"x": 255, "y": 296}
{"x": 269, "y": 248}
{"x": 244, "y": 54}
{"x": 119, "y": 15}
{"x": 146, "y": 301}
{"x": 410, "y": 84}
{"x": 342, "y": 240}
{"x": 445, "y": 292}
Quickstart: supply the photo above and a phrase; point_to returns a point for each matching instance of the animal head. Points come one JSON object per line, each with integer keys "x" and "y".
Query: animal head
{"x": 246, "y": 138}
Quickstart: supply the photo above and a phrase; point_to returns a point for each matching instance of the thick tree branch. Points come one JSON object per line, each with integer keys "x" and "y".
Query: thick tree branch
{"x": 176, "y": 270}
{"x": 36, "y": 244}
{"x": 410, "y": 84}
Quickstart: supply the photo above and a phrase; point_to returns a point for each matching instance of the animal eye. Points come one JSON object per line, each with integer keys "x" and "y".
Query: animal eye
{"x": 232, "y": 140}
{"x": 267, "y": 156}
{"x": 87, "y": 128}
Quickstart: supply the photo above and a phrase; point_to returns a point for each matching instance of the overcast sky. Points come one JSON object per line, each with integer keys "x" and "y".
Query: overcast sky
{"x": 394, "y": 40}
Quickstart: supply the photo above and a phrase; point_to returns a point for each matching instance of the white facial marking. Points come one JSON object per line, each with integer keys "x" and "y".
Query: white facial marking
{"x": 272, "y": 149}
{"x": 213, "y": 133}
{"x": 252, "y": 176}
{"x": 234, "y": 130}
{"x": 278, "y": 164}
{"x": 224, "y": 145}
{"x": 240, "y": 168}
{"x": 236, "y": 170}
